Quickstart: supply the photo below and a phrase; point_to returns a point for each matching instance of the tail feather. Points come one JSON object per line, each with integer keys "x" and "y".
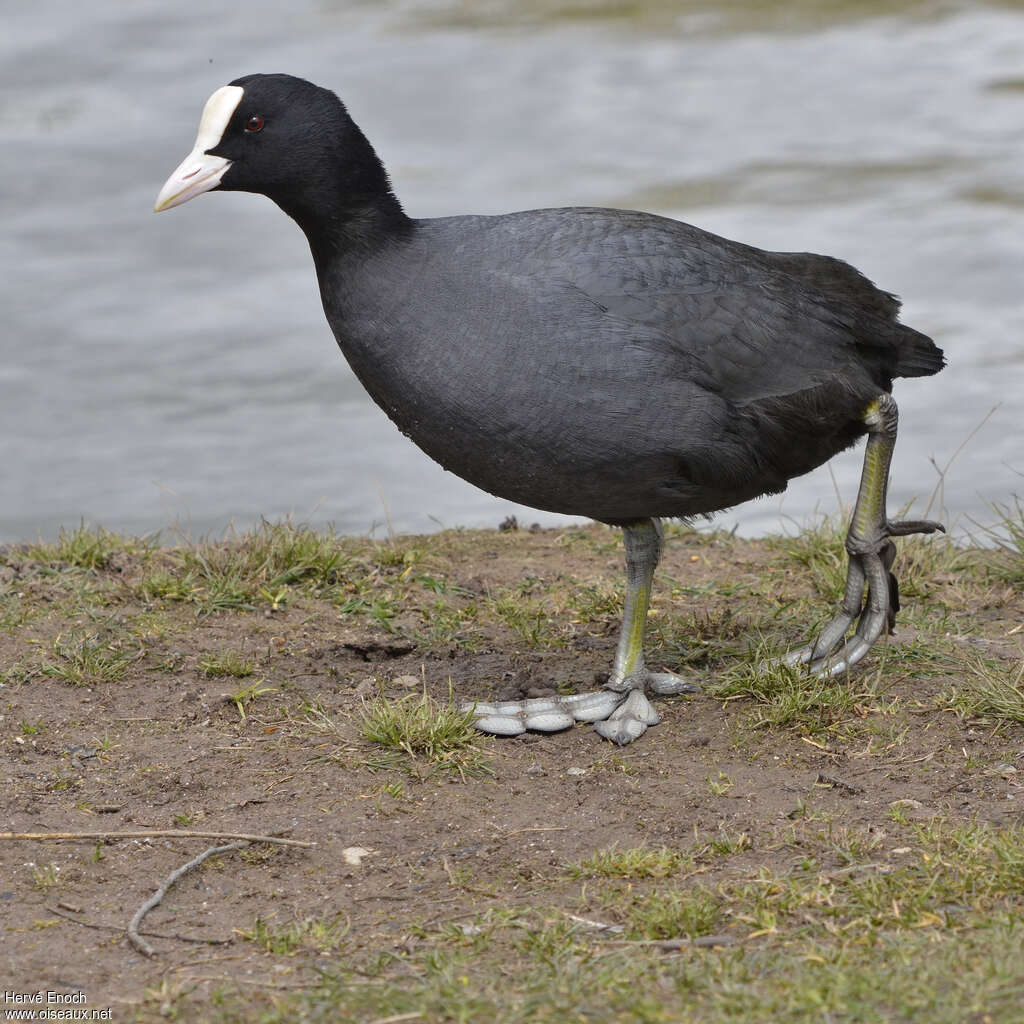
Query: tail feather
{"x": 916, "y": 354}
{"x": 837, "y": 279}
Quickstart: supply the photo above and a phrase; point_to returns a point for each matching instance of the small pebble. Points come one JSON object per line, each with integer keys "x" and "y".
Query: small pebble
{"x": 354, "y": 855}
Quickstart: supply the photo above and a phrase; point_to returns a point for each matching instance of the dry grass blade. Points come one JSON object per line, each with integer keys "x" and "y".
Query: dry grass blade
{"x": 994, "y": 690}
{"x": 1009, "y": 540}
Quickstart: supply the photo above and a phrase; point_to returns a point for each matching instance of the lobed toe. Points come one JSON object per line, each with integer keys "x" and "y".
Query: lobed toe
{"x": 668, "y": 684}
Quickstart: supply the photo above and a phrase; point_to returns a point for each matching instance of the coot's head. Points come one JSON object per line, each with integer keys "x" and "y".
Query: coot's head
{"x": 282, "y": 137}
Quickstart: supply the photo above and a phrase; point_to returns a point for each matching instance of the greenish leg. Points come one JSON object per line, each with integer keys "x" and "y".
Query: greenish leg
{"x": 621, "y": 712}
{"x": 872, "y": 551}
{"x": 643, "y": 552}
{"x": 629, "y": 674}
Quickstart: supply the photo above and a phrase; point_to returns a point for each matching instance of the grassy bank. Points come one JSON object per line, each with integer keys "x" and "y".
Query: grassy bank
{"x": 779, "y": 848}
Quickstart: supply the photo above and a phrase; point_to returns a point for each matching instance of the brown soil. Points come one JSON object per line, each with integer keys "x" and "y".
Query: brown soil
{"x": 163, "y": 748}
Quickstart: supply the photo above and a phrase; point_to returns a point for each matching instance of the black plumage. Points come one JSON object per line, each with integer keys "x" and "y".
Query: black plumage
{"x": 602, "y": 363}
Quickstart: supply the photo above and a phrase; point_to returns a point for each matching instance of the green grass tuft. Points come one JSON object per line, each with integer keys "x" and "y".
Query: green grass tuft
{"x": 444, "y": 624}
{"x": 789, "y": 695}
{"x": 312, "y": 934}
{"x": 674, "y": 913}
{"x": 89, "y": 659}
{"x": 86, "y": 548}
{"x": 250, "y": 570}
{"x": 15, "y": 610}
{"x": 820, "y": 547}
{"x": 992, "y": 689}
{"x": 596, "y": 602}
{"x": 248, "y": 695}
{"x": 531, "y": 620}
{"x": 612, "y": 862}
{"x": 227, "y": 663}
{"x": 417, "y": 726}
{"x": 1009, "y": 540}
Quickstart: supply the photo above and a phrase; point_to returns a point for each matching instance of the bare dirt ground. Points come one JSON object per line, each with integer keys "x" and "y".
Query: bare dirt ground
{"x": 142, "y": 692}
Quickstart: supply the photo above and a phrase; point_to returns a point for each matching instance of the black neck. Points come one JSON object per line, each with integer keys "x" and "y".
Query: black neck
{"x": 347, "y": 205}
{"x": 356, "y": 225}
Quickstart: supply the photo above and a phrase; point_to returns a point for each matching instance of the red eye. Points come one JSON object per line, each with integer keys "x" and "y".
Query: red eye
{"x": 254, "y": 124}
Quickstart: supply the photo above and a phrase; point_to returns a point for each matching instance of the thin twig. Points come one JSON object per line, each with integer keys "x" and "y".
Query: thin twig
{"x": 206, "y": 961}
{"x": 156, "y": 935}
{"x": 600, "y": 926}
{"x": 519, "y": 831}
{"x": 451, "y": 874}
{"x": 887, "y": 765}
{"x": 157, "y": 833}
{"x": 856, "y": 867}
{"x": 133, "y": 927}
{"x": 820, "y": 746}
{"x": 700, "y": 942}
{"x": 830, "y": 780}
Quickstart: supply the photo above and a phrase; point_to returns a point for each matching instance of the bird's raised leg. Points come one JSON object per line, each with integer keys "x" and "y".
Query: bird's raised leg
{"x": 621, "y": 710}
{"x": 871, "y": 550}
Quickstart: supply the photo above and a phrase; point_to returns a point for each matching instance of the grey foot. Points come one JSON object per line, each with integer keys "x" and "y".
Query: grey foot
{"x": 629, "y": 721}
{"x": 871, "y": 561}
{"x": 543, "y": 714}
{"x": 668, "y": 684}
{"x": 620, "y": 716}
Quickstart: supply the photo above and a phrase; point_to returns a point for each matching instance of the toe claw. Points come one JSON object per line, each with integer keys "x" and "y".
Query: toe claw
{"x": 668, "y": 684}
{"x": 831, "y": 636}
{"x": 851, "y": 653}
{"x": 904, "y": 527}
{"x": 798, "y": 656}
{"x": 629, "y": 720}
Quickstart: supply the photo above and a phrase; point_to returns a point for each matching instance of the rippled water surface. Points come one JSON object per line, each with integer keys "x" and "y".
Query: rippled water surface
{"x": 178, "y": 368}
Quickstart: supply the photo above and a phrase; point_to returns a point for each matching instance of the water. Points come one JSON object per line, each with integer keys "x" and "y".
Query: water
{"x": 177, "y": 369}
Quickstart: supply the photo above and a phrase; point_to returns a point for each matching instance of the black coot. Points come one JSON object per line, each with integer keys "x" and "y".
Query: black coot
{"x": 603, "y": 363}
